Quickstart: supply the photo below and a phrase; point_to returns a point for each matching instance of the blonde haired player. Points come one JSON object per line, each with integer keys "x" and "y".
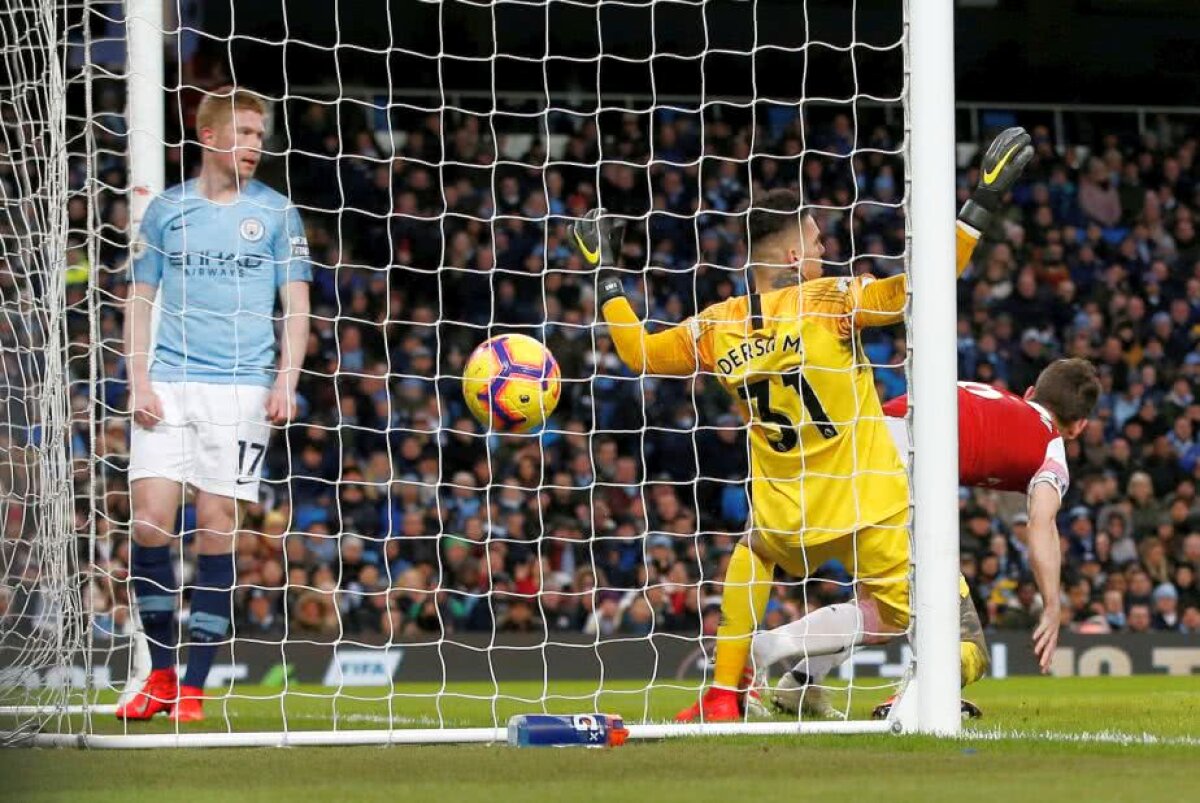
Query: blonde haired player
{"x": 213, "y": 255}
{"x": 826, "y": 481}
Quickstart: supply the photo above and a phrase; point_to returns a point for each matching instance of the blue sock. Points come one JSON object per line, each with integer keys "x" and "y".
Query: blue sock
{"x": 154, "y": 583}
{"x": 212, "y": 609}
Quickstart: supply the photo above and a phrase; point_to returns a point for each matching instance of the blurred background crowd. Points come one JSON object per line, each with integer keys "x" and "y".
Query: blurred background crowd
{"x": 389, "y": 512}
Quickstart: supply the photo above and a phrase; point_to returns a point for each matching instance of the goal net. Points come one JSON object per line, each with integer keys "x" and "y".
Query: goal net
{"x": 406, "y": 573}
{"x": 43, "y": 411}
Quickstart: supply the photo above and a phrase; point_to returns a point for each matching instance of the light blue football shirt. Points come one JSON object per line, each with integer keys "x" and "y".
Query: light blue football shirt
{"x": 218, "y": 268}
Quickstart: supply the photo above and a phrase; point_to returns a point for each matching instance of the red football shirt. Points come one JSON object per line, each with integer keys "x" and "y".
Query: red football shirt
{"x": 1004, "y": 441}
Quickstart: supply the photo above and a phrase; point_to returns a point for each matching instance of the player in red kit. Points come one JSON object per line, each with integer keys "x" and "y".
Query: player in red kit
{"x": 1007, "y": 443}
{"x": 1010, "y": 443}
{"x": 1033, "y": 445}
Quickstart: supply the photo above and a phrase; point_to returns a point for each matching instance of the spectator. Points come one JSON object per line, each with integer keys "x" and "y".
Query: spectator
{"x": 605, "y": 620}
{"x": 1146, "y": 508}
{"x": 1079, "y": 600}
{"x": 1186, "y": 585}
{"x": 520, "y": 618}
{"x": 1098, "y": 198}
{"x": 1191, "y": 620}
{"x": 316, "y": 617}
{"x": 1166, "y": 608}
{"x": 1140, "y": 620}
{"x": 261, "y": 619}
{"x": 1141, "y": 587}
{"x": 1114, "y": 609}
{"x": 1023, "y": 611}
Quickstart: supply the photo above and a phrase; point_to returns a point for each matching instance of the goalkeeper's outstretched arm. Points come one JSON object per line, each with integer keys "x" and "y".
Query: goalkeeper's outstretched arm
{"x": 881, "y": 303}
{"x": 671, "y": 352}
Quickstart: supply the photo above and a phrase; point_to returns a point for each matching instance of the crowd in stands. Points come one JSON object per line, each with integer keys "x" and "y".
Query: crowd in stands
{"x": 390, "y": 513}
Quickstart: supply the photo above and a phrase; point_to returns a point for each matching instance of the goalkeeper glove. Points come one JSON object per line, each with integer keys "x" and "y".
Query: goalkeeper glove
{"x": 1002, "y": 165}
{"x": 599, "y": 239}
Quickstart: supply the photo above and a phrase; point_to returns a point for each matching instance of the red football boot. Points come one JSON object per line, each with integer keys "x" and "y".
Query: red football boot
{"x": 717, "y": 705}
{"x": 157, "y": 694}
{"x": 190, "y": 705}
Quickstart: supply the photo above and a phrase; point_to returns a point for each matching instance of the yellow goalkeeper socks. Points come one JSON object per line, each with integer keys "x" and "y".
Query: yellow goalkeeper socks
{"x": 743, "y": 605}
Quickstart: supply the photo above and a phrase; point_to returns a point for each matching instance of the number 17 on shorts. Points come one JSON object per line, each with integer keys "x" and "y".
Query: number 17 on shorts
{"x": 212, "y": 437}
{"x": 231, "y": 434}
{"x": 250, "y": 455}
{"x": 253, "y": 434}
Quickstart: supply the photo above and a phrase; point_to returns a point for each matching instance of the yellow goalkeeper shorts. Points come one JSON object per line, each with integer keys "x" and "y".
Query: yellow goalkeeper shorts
{"x": 876, "y": 556}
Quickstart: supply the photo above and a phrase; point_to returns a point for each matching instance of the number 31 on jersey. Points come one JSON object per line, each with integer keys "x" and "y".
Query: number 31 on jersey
{"x": 764, "y": 397}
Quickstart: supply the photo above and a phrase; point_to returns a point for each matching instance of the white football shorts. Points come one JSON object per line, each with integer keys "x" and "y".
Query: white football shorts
{"x": 898, "y": 429}
{"x": 212, "y": 437}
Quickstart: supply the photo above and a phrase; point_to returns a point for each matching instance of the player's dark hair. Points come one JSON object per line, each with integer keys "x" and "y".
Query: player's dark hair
{"x": 1069, "y": 389}
{"x": 774, "y": 212}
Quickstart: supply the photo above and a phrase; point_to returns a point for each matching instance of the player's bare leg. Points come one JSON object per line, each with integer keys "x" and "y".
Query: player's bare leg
{"x": 155, "y": 503}
{"x": 212, "y": 602}
{"x": 217, "y": 519}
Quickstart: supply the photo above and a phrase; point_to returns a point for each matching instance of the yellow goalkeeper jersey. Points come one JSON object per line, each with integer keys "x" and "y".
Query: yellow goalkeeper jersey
{"x": 821, "y": 461}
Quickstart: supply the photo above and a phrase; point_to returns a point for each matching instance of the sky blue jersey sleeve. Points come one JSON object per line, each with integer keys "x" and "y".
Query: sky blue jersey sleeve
{"x": 291, "y": 251}
{"x": 147, "y": 251}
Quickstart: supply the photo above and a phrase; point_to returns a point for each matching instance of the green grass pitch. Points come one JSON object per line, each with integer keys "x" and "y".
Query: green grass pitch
{"x": 1058, "y": 739}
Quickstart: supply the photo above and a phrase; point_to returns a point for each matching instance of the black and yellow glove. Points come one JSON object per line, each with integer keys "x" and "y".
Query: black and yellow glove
{"x": 1003, "y": 164}
{"x": 599, "y": 238}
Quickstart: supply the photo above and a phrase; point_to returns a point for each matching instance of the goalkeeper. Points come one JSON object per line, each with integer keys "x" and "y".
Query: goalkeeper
{"x": 826, "y": 480}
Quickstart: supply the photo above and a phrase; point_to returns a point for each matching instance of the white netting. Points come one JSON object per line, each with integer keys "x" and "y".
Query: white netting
{"x": 41, "y": 626}
{"x": 404, "y": 568}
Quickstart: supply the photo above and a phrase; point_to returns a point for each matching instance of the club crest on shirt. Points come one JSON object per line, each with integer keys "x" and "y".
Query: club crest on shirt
{"x": 252, "y": 229}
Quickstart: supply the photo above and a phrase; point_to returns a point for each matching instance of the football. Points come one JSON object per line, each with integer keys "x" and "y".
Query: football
{"x": 512, "y": 383}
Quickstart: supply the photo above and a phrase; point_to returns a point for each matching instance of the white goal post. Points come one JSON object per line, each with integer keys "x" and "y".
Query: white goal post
{"x": 96, "y": 97}
{"x": 933, "y": 364}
